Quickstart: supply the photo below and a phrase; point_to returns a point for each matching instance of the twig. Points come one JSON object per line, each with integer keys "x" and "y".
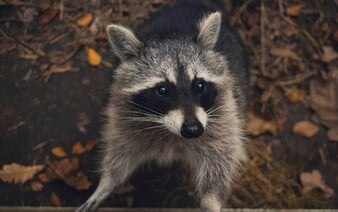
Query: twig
{"x": 239, "y": 12}
{"x": 38, "y": 52}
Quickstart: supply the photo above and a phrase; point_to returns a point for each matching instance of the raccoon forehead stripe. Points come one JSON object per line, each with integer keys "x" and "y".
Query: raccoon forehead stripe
{"x": 149, "y": 83}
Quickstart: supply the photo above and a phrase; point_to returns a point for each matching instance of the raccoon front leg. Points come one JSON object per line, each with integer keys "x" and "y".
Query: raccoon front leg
{"x": 212, "y": 182}
{"x": 117, "y": 167}
{"x": 102, "y": 191}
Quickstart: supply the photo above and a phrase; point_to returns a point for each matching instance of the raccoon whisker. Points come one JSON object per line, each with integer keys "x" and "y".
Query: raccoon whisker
{"x": 155, "y": 129}
{"x": 142, "y": 113}
{"x": 142, "y": 119}
{"x": 146, "y": 108}
{"x": 214, "y": 109}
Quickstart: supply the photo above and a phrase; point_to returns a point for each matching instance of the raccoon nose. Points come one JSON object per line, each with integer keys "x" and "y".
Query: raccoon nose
{"x": 192, "y": 129}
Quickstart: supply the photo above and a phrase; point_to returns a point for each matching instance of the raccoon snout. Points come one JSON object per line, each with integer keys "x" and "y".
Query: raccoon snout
{"x": 192, "y": 129}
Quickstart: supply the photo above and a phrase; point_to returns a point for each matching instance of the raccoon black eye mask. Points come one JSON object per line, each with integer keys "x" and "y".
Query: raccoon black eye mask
{"x": 179, "y": 94}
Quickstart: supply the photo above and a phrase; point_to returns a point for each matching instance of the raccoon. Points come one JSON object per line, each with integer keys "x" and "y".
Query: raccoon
{"x": 178, "y": 94}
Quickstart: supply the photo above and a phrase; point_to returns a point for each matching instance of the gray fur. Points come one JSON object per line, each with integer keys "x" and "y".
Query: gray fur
{"x": 128, "y": 142}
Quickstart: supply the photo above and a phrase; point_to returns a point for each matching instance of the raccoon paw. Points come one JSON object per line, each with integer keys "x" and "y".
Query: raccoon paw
{"x": 87, "y": 207}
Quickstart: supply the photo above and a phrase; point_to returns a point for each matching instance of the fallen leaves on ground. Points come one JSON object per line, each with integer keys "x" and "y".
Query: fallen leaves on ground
{"x": 36, "y": 186}
{"x": 295, "y": 10}
{"x": 49, "y": 14}
{"x": 78, "y": 148}
{"x": 59, "y": 152}
{"x": 295, "y": 95}
{"x": 258, "y": 125}
{"x": 305, "y": 129}
{"x": 19, "y": 174}
{"x": 94, "y": 58}
{"x": 55, "y": 200}
{"x": 68, "y": 171}
{"x": 85, "y": 20}
{"x": 90, "y": 145}
{"x": 312, "y": 180}
{"x": 324, "y": 100}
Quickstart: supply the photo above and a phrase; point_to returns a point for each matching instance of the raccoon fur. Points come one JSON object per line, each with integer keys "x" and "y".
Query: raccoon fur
{"x": 178, "y": 94}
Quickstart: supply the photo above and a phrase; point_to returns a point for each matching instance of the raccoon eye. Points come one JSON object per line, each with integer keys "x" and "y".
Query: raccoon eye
{"x": 162, "y": 91}
{"x": 199, "y": 86}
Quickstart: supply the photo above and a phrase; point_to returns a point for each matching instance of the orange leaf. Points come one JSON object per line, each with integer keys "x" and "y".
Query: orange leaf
{"x": 58, "y": 152}
{"x": 44, "y": 178}
{"x": 312, "y": 180}
{"x": 90, "y": 145}
{"x": 49, "y": 14}
{"x": 18, "y": 174}
{"x": 55, "y": 200}
{"x": 296, "y": 95}
{"x": 94, "y": 58}
{"x": 36, "y": 186}
{"x": 85, "y": 20}
{"x": 305, "y": 129}
{"x": 257, "y": 125}
{"x": 295, "y": 10}
{"x": 78, "y": 148}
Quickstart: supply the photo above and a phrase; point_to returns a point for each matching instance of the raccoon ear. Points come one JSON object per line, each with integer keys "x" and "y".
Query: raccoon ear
{"x": 208, "y": 30}
{"x": 123, "y": 41}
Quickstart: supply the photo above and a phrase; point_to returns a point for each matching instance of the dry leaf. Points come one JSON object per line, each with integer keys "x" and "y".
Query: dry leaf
{"x": 55, "y": 200}
{"x": 295, "y": 10}
{"x": 324, "y": 100}
{"x": 59, "y": 152}
{"x": 18, "y": 174}
{"x": 67, "y": 170}
{"x": 36, "y": 186}
{"x": 44, "y": 178}
{"x": 78, "y": 148}
{"x": 90, "y": 145}
{"x": 312, "y": 180}
{"x": 94, "y": 58}
{"x": 85, "y": 20}
{"x": 305, "y": 129}
{"x": 49, "y": 14}
{"x": 329, "y": 54}
{"x": 289, "y": 30}
{"x": 257, "y": 125}
{"x": 295, "y": 95}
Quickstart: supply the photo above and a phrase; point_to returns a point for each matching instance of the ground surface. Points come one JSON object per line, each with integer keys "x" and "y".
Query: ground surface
{"x": 51, "y": 98}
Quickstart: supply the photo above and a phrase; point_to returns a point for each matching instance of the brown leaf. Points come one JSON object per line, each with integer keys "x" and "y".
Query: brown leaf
{"x": 43, "y": 177}
{"x": 94, "y": 58}
{"x": 36, "y": 186}
{"x": 90, "y": 145}
{"x": 18, "y": 174}
{"x": 85, "y": 20}
{"x": 289, "y": 30}
{"x": 295, "y": 10}
{"x": 68, "y": 171}
{"x": 305, "y": 129}
{"x": 59, "y": 152}
{"x": 258, "y": 125}
{"x": 55, "y": 200}
{"x": 78, "y": 180}
{"x": 295, "y": 95}
{"x": 324, "y": 100}
{"x": 49, "y": 14}
{"x": 312, "y": 180}
{"x": 78, "y": 148}
{"x": 329, "y": 54}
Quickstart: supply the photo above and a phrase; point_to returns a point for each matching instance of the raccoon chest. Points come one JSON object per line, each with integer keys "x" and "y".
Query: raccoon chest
{"x": 166, "y": 155}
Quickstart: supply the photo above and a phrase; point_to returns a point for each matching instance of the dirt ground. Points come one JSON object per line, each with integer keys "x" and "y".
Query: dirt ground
{"x": 56, "y": 68}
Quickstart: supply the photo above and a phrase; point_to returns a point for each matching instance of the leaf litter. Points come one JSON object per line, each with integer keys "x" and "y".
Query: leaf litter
{"x": 284, "y": 53}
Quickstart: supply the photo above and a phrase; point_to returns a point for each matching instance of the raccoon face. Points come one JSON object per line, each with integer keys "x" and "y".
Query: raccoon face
{"x": 169, "y": 84}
